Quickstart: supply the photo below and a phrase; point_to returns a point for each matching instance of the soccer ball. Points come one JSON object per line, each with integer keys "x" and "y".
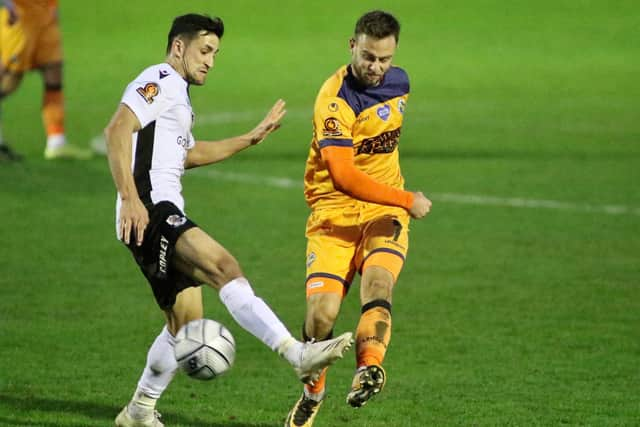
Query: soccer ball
{"x": 204, "y": 349}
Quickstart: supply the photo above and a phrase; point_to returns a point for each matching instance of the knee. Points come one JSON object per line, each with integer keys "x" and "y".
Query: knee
{"x": 224, "y": 268}
{"x": 377, "y": 288}
{"x": 229, "y": 268}
{"x": 320, "y": 320}
{"x": 8, "y": 83}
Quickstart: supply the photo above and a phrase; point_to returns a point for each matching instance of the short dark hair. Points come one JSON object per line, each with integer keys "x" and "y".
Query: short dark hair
{"x": 191, "y": 25}
{"x": 378, "y": 24}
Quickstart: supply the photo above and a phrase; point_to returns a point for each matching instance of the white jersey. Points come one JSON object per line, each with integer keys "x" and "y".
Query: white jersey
{"x": 159, "y": 98}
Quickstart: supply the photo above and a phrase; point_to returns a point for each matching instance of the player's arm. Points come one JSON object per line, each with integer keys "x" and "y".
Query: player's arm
{"x": 350, "y": 180}
{"x": 133, "y": 214}
{"x": 207, "y": 152}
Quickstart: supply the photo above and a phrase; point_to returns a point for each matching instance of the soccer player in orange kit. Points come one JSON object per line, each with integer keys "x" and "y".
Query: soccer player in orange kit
{"x": 360, "y": 211}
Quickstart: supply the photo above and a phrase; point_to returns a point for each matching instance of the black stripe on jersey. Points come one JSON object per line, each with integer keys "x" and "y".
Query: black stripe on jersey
{"x": 142, "y": 165}
{"x": 336, "y": 142}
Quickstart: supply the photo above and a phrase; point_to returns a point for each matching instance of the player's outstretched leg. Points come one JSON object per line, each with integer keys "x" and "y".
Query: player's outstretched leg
{"x": 317, "y": 355}
{"x": 367, "y": 382}
{"x": 254, "y": 315}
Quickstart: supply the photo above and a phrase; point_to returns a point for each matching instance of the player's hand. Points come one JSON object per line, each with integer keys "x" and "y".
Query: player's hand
{"x": 421, "y": 205}
{"x": 134, "y": 218}
{"x": 270, "y": 123}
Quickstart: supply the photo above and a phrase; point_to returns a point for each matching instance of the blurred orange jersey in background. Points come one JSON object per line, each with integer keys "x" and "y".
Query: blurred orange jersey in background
{"x": 29, "y": 35}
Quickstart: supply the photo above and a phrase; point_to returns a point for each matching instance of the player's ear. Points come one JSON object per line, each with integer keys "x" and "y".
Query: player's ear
{"x": 352, "y": 43}
{"x": 179, "y": 46}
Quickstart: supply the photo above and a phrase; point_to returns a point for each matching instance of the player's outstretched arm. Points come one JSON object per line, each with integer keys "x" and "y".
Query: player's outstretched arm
{"x": 207, "y": 152}
{"x": 133, "y": 215}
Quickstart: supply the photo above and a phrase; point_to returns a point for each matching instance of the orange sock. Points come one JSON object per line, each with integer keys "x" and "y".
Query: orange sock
{"x": 373, "y": 333}
{"x": 53, "y": 112}
{"x": 318, "y": 386}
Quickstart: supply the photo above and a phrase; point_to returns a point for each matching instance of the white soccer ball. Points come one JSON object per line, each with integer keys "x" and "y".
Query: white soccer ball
{"x": 204, "y": 349}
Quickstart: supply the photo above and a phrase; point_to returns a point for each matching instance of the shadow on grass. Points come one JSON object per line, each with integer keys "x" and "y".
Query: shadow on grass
{"x": 102, "y": 414}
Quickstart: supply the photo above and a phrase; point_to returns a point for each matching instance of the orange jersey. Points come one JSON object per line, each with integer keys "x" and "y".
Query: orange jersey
{"x": 29, "y": 35}
{"x": 34, "y": 4}
{"x": 366, "y": 119}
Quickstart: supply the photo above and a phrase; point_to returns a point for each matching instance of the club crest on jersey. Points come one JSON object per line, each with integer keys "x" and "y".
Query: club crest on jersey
{"x": 401, "y": 105}
{"x": 331, "y": 127}
{"x": 148, "y": 92}
{"x": 383, "y": 112}
{"x": 176, "y": 220}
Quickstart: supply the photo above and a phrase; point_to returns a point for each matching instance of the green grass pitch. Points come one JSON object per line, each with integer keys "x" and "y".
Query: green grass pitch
{"x": 519, "y": 302}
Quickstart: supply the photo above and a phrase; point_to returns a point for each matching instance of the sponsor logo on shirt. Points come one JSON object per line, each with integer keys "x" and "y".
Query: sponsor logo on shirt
{"x": 148, "y": 92}
{"x": 163, "y": 74}
{"x": 183, "y": 141}
{"x": 333, "y": 107}
{"x": 384, "y": 143}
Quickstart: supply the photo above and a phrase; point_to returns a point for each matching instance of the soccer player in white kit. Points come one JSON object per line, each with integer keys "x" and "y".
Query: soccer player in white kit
{"x": 149, "y": 145}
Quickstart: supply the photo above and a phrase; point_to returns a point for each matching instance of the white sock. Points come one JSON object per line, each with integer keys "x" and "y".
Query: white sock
{"x": 291, "y": 349}
{"x": 255, "y": 316}
{"x": 56, "y": 141}
{"x": 158, "y": 373}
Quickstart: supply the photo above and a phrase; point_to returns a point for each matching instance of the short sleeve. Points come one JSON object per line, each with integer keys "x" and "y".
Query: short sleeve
{"x": 147, "y": 100}
{"x": 333, "y": 120}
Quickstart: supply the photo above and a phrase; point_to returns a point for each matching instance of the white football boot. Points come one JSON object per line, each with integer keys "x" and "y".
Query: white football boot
{"x": 317, "y": 355}
{"x": 124, "y": 419}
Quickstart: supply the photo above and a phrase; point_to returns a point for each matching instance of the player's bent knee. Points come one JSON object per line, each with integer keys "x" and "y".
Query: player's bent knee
{"x": 9, "y": 82}
{"x": 228, "y": 268}
{"x": 323, "y": 322}
{"x": 377, "y": 289}
{"x": 220, "y": 269}
{"x": 322, "y": 312}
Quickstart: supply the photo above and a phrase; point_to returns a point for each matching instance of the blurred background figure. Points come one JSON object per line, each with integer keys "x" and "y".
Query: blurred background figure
{"x": 30, "y": 40}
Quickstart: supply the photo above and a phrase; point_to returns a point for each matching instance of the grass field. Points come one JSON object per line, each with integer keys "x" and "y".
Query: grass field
{"x": 519, "y": 303}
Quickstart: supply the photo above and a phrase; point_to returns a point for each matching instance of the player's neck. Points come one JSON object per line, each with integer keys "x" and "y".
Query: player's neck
{"x": 177, "y": 65}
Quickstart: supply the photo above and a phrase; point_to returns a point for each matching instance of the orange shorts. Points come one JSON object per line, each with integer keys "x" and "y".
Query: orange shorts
{"x": 32, "y": 41}
{"x": 345, "y": 242}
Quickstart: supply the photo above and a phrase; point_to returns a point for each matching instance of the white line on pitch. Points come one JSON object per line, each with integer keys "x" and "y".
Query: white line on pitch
{"x": 469, "y": 199}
